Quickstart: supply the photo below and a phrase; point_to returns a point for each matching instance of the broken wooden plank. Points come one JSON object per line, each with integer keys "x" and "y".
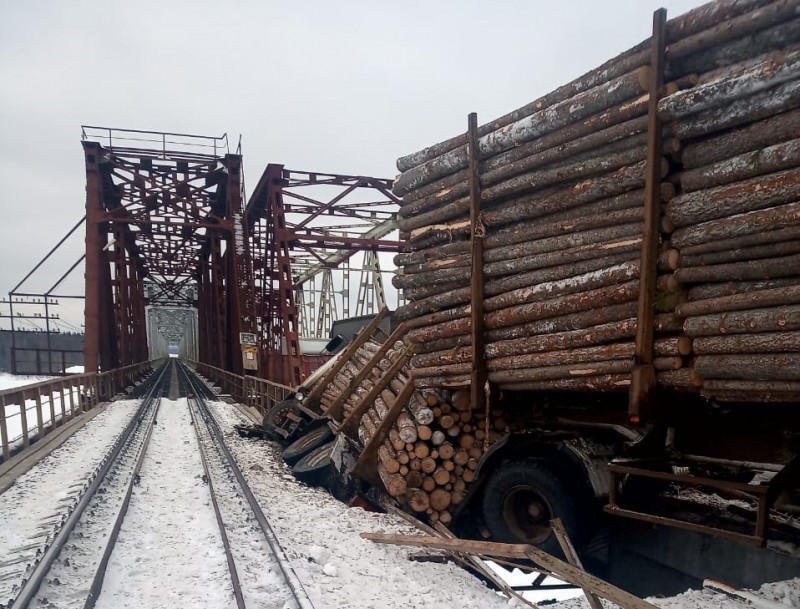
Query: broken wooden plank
{"x": 573, "y": 558}
{"x": 559, "y": 568}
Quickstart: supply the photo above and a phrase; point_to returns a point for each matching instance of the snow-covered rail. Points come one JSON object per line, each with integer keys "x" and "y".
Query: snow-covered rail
{"x": 252, "y": 548}
{"x": 87, "y": 520}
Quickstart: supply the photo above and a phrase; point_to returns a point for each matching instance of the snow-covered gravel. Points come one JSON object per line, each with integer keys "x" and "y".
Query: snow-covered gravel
{"x": 321, "y": 537}
{"x": 39, "y": 497}
{"x": 169, "y": 552}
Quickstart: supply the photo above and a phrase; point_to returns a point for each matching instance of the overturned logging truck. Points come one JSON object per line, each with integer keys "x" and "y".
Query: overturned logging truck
{"x": 603, "y": 303}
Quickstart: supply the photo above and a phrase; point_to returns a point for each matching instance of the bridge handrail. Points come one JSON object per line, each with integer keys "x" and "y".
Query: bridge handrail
{"x": 252, "y": 391}
{"x": 71, "y": 395}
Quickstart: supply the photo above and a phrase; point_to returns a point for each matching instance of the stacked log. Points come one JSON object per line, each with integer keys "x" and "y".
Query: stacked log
{"x": 735, "y": 225}
{"x": 439, "y": 464}
{"x": 562, "y": 198}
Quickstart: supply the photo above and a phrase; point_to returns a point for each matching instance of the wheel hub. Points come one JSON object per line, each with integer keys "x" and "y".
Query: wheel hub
{"x": 527, "y": 514}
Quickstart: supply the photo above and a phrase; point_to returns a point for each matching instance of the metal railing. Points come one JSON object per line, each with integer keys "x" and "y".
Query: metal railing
{"x": 165, "y": 143}
{"x": 252, "y": 391}
{"x": 30, "y": 412}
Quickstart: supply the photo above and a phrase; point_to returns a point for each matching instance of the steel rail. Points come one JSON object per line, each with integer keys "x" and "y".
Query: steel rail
{"x": 201, "y": 392}
{"x": 31, "y": 584}
{"x": 237, "y": 586}
{"x": 99, "y": 576}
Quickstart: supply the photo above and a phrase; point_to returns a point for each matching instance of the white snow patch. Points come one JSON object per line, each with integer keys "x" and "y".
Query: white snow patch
{"x": 169, "y": 552}
{"x": 44, "y": 493}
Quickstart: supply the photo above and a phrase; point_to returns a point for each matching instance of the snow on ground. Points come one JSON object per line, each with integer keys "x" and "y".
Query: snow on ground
{"x": 169, "y": 552}
{"x": 321, "y": 537}
{"x": 47, "y": 489}
{"x": 12, "y": 411}
{"x": 784, "y": 593}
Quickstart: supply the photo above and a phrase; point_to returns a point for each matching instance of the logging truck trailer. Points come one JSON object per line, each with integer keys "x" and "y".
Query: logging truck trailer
{"x": 609, "y": 279}
{"x": 603, "y": 310}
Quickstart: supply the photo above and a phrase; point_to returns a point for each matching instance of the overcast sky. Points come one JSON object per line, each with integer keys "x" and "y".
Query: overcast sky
{"x": 343, "y": 87}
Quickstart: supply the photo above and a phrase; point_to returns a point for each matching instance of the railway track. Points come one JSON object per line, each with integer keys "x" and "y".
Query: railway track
{"x": 92, "y": 553}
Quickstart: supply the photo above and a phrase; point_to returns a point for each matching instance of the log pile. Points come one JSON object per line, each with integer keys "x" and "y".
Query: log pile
{"x": 736, "y": 227}
{"x": 437, "y": 461}
{"x": 562, "y": 208}
{"x": 433, "y": 446}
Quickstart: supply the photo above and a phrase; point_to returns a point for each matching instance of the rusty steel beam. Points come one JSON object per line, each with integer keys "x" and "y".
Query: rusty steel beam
{"x": 299, "y": 235}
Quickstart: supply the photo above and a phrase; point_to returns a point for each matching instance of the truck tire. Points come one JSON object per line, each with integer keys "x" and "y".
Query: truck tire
{"x": 274, "y": 418}
{"x": 306, "y": 443}
{"x": 521, "y": 498}
{"x": 315, "y": 468}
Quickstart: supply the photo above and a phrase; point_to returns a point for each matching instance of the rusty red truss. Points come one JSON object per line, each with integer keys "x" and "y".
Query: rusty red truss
{"x": 302, "y": 225}
{"x": 164, "y": 228}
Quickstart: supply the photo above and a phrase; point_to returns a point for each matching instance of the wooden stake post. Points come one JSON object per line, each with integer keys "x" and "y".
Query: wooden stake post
{"x": 362, "y": 337}
{"x": 349, "y": 426}
{"x": 335, "y": 411}
{"x": 643, "y": 379}
{"x": 366, "y": 466}
{"x": 479, "y": 375}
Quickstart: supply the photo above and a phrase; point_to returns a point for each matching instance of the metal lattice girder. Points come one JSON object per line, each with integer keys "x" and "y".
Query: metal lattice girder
{"x": 166, "y": 209}
{"x": 303, "y": 225}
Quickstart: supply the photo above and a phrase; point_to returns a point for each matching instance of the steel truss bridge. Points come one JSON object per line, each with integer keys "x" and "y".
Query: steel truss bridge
{"x": 179, "y": 261}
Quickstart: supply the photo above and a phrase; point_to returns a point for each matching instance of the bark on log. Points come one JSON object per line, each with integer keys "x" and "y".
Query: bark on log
{"x": 676, "y": 379}
{"x": 774, "y": 319}
{"x": 540, "y": 123}
{"x": 737, "y": 226}
{"x": 781, "y": 67}
{"x": 387, "y": 458}
{"x": 545, "y": 309}
{"x": 496, "y": 286}
{"x": 612, "y": 351}
{"x": 571, "y": 240}
{"x": 715, "y": 290}
{"x": 572, "y": 371}
{"x": 777, "y": 157}
{"x": 446, "y": 235}
{"x": 395, "y": 484}
{"x": 525, "y": 183}
{"x": 754, "y": 396}
{"x": 598, "y": 334}
{"x": 781, "y": 234}
{"x": 686, "y": 34}
{"x": 767, "y": 342}
{"x": 722, "y": 201}
{"x": 766, "y": 268}
{"x": 522, "y": 169}
{"x": 735, "y": 385}
{"x": 760, "y": 367}
{"x": 607, "y": 382}
{"x": 603, "y": 187}
{"x": 563, "y": 323}
{"x": 774, "y": 249}
{"x": 757, "y": 135}
{"x": 741, "y": 302}
{"x": 687, "y": 56}
{"x": 747, "y": 110}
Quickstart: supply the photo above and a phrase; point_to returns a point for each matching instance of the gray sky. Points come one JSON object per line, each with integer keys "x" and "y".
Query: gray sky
{"x": 341, "y": 87}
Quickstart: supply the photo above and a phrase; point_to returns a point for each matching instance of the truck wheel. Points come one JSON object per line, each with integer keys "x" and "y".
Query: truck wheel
{"x": 316, "y": 467}
{"x": 306, "y": 443}
{"x": 519, "y": 501}
{"x": 274, "y": 418}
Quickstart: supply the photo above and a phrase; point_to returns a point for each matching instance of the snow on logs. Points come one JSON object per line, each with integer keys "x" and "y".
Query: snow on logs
{"x": 562, "y": 194}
